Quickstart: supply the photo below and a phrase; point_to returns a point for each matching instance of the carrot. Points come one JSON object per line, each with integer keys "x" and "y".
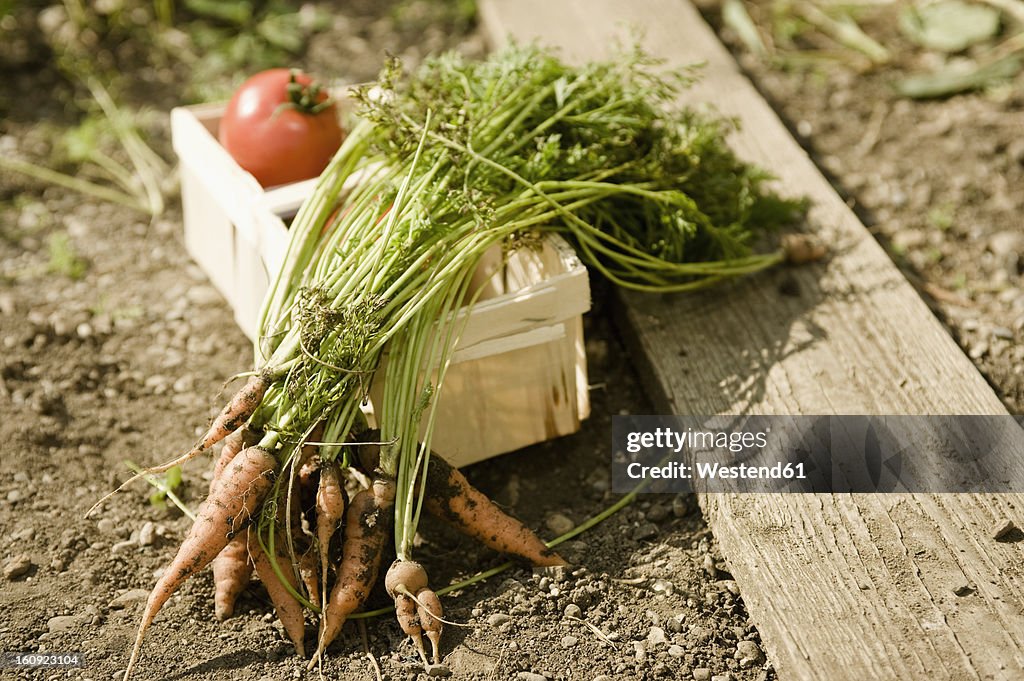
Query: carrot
{"x": 403, "y": 579}
{"x": 409, "y": 620}
{"x": 330, "y": 509}
{"x": 232, "y": 571}
{"x": 428, "y": 607}
{"x": 367, "y": 524}
{"x": 450, "y": 497}
{"x": 288, "y": 610}
{"x": 308, "y": 573}
{"x": 233, "y": 444}
{"x": 224, "y": 514}
{"x": 237, "y": 411}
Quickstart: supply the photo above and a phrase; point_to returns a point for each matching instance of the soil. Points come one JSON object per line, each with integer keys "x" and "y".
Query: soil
{"x": 936, "y": 181}
{"x": 122, "y": 355}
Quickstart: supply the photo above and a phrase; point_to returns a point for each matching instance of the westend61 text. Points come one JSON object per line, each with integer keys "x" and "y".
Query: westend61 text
{"x": 715, "y": 471}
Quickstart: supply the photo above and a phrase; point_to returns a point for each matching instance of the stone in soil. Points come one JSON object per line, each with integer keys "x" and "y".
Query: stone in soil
{"x": 656, "y": 636}
{"x": 17, "y": 566}
{"x": 62, "y": 623}
{"x": 701, "y": 674}
{"x": 749, "y": 654}
{"x": 559, "y": 524}
{"x": 498, "y": 619}
{"x": 645, "y": 531}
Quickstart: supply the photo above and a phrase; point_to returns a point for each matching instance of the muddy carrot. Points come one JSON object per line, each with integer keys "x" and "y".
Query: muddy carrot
{"x": 450, "y": 497}
{"x": 224, "y": 514}
{"x": 368, "y": 522}
{"x": 232, "y": 571}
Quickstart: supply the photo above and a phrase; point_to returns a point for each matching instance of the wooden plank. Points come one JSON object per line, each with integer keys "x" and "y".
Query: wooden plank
{"x": 840, "y": 586}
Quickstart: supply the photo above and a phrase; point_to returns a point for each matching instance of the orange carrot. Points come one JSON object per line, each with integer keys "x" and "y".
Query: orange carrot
{"x": 403, "y": 579}
{"x": 224, "y": 514}
{"x": 237, "y": 411}
{"x": 288, "y": 610}
{"x": 429, "y": 610}
{"x": 330, "y": 509}
{"x": 232, "y": 571}
{"x": 309, "y": 574}
{"x": 367, "y": 525}
{"x": 233, "y": 444}
{"x": 450, "y": 497}
{"x": 409, "y": 620}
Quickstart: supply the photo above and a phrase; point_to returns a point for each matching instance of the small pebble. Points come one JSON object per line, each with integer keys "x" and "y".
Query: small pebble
{"x": 645, "y": 531}
{"x": 749, "y": 654}
{"x": 709, "y": 566}
{"x": 656, "y": 513}
{"x": 147, "y": 535}
{"x": 61, "y": 623}
{"x": 1003, "y": 530}
{"x": 559, "y": 524}
{"x": 603, "y": 677}
{"x": 656, "y": 636}
{"x": 676, "y": 651}
{"x": 498, "y": 619}
{"x": 129, "y": 597}
{"x": 530, "y": 676}
{"x": 663, "y": 586}
{"x": 573, "y": 610}
{"x": 963, "y": 590}
{"x": 106, "y": 525}
{"x": 701, "y": 674}
{"x": 17, "y": 566}
{"x": 723, "y": 677}
{"x": 438, "y": 670}
{"x": 569, "y": 641}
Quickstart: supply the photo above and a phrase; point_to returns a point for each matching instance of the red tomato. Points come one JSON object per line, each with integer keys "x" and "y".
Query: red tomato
{"x": 281, "y": 127}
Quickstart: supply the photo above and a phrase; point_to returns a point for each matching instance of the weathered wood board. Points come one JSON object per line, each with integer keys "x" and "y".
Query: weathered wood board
{"x": 841, "y": 586}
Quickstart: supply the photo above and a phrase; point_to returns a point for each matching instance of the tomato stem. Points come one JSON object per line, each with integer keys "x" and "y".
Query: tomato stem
{"x": 309, "y": 98}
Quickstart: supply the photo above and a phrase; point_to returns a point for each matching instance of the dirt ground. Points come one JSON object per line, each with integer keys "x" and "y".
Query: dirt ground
{"x": 938, "y": 181}
{"x": 120, "y": 354}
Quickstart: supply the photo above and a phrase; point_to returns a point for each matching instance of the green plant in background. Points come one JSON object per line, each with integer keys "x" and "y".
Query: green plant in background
{"x": 107, "y": 155}
{"x": 64, "y": 259}
{"x": 165, "y": 486}
{"x": 966, "y": 36}
{"x": 240, "y": 38}
{"x": 941, "y": 217}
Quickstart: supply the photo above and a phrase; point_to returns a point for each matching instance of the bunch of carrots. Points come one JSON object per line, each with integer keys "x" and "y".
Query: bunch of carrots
{"x": 443, "y": 165}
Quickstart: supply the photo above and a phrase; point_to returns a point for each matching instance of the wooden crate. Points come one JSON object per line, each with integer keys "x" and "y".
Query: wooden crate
{"x": 519, "y": 373}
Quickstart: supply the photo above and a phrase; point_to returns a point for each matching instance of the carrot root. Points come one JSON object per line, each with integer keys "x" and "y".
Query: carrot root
{"x": 224, "y": 514}
{"x": 237, "y": 411}
{"x": 429, "y": 609}
{"x": 289, "y": 610}
{"x": 367, "y": 524}
{"x": 232, "y": 571}
{"x": 450, "y": 497}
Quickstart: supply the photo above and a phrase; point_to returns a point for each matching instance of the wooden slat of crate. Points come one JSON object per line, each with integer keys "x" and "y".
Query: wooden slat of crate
{"x": 840, "y": 586}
